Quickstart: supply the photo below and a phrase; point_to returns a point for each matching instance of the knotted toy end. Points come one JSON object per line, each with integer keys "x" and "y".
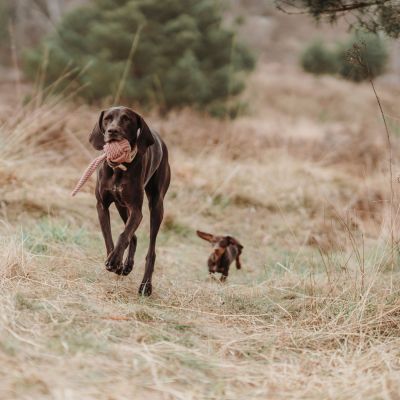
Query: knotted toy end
{"x": 117, "y": 151}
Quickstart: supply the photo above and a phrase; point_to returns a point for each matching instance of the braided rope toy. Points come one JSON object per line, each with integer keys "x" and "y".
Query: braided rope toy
{"x": 116, "y": 152}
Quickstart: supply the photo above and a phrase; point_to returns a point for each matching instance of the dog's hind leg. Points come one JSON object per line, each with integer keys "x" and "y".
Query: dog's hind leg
{"x": 155, "y": 191}
{"x": 156, "y": 216}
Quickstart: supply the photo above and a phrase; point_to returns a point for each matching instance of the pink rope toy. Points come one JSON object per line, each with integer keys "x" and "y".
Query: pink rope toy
{"x": 116, "y": 152}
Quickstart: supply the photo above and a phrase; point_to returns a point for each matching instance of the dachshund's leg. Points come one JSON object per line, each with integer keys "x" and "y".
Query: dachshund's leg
{"x": 238, "y": 263}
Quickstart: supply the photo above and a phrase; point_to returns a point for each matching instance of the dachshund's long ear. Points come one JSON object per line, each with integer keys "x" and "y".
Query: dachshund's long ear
{"x": 96, "y": 138}
{"x": 206, "y": 236}
{"x": 145, "y": 137}
{"x": 233, "y": 241}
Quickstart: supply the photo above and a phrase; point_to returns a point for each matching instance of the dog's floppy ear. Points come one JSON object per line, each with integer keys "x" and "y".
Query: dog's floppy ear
{"x": 233, "y": 241}
{"x": 96, "y": 138}
{"x": 145, "y": 137}
{"x": 206, "y": 236}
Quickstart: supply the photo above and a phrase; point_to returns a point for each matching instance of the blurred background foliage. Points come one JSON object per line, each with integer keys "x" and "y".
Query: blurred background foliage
{"x": 373, "y": 15}
{"x": 172, "y": 53}
{"x": 320, "y": 58}
{"x": 374, "y": 55}
{"x": 168, "y": 53}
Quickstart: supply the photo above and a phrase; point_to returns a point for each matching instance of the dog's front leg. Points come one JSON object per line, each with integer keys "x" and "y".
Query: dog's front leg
{"x": 238, "y": 263}
{"x": 114, "y": 260}
{"x": 104, "y": 219}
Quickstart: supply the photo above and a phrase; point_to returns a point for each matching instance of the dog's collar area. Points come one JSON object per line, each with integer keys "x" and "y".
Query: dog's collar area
{"x": 121, "y": 166}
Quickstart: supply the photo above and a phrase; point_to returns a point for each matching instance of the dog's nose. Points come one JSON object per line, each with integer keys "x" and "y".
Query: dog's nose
{"x": 111, "y": 134}
{"x": 112, "y": 131}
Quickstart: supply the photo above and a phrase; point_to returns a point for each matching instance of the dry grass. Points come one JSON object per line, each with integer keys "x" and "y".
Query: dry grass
{"x": 313, "y": 314}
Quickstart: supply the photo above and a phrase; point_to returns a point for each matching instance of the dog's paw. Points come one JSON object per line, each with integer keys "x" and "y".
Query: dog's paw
{"x": 145, "y": 289}
{"x": 114, "y": 262}
{"x": 211, "y": 277}
{"x": 128, "y": 266}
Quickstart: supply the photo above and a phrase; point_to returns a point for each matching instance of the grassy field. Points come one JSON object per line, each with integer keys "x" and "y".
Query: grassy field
{"x": 301, "y": 180}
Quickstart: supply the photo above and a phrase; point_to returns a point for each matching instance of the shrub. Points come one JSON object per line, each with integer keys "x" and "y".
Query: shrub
{"x": 374, "y": 55}
{"x": 183, "y": 56}
{"x": 317, "y": 59}
{"x": 5, "y": 16}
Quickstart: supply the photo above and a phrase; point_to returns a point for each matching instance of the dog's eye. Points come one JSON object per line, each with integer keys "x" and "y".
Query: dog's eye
{"x": 108, "y": 118}
{"x": 124, "y": 118}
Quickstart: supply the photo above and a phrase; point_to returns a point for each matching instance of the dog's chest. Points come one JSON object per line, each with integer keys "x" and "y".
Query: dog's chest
{"x": 117, "y": 186}
{"x": 123, "y": 187}
{"x": 231, "y": 252}
{"x": 227, "y": 258}
{"x": 117, "y": 189}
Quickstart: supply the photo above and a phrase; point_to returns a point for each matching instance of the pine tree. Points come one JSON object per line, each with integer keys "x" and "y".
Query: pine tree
{"x": 183, "y": 56}
{"x": 374, "y": 15}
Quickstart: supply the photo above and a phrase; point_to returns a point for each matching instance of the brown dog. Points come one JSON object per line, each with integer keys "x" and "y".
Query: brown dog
{"x": 125, "y": 184}
{"x": 225, "y": 250}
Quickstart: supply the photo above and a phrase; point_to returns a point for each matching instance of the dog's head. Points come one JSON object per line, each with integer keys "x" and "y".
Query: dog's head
{"x": 118, "y": 123}
{"x": 220, "y": 244}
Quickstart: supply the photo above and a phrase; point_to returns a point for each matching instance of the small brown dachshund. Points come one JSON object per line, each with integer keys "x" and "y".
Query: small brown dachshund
{"x": 125, "y": 185}
{"x": 225, "y": 250}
